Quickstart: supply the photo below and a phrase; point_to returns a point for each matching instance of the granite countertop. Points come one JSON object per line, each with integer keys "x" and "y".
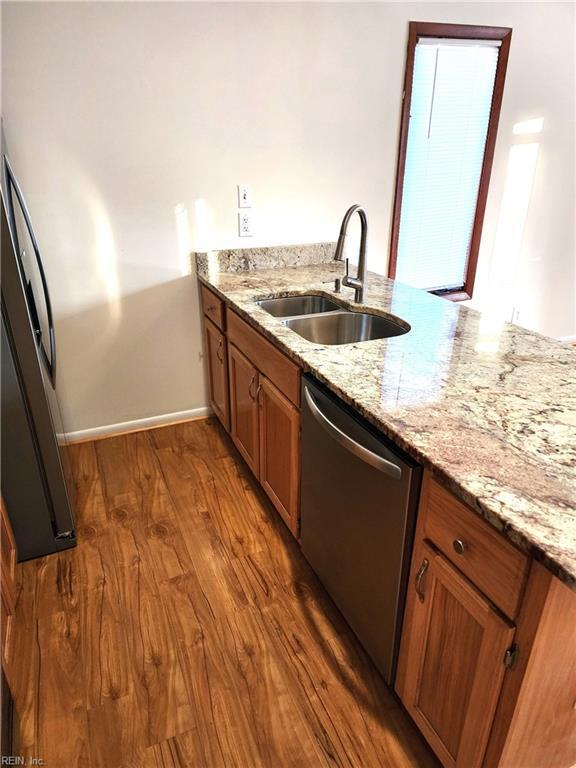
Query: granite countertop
{"x": 489, "y": 408}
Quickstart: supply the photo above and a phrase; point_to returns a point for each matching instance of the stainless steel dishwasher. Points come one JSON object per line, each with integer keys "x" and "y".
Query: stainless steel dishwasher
{"x": 358, "y": 507}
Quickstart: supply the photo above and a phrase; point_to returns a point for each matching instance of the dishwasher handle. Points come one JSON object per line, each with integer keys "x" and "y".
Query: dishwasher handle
{"x": 369, "y": 457}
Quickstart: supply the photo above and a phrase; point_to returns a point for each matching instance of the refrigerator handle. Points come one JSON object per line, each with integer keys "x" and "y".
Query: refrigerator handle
{"x": 49, "y": 362}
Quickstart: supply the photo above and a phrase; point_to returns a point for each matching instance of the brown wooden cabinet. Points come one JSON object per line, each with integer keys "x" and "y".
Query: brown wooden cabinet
{"x": 487, "y": 664}
{"x": 8, "y": 557}
{"x": 255, "y": 392}
{"x": 453, "y": 659}
{"x": 244, "y": 421}
{"x": 217, "y": 359}
{"x": 280, "y": 451}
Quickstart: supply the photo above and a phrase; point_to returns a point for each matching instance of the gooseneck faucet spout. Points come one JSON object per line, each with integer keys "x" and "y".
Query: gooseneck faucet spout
{"x": 358, "y": 282}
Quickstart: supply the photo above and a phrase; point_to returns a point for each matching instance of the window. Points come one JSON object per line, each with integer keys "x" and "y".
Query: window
{"x": 452, "y": 95}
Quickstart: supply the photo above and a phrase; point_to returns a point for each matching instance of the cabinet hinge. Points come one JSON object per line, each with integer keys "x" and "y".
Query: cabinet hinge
{"x": 511, "y": 656}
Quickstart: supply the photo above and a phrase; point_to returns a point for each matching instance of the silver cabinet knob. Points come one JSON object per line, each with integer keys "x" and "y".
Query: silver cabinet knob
{"x": 459, "y": 546}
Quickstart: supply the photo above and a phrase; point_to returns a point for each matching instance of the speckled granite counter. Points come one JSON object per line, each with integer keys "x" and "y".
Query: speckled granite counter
{"x": 490, "y": 409}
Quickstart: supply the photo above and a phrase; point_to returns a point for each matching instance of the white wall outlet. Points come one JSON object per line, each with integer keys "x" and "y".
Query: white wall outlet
{"x": 245, "y": 224}
{"x": 244, "y": 196}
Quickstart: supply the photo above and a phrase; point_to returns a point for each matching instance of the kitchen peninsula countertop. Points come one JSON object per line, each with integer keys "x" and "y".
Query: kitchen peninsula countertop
{"x": 489, "y": 408}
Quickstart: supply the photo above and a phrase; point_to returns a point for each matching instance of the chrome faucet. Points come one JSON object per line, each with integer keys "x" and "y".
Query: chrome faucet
{"x": 358, "y": 282}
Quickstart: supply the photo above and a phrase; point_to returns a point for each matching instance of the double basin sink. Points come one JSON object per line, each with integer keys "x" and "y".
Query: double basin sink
{"x": 325, "y": 321}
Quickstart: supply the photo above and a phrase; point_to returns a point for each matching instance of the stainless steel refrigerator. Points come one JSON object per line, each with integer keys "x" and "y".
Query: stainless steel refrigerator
{"x": 36, "y": 480}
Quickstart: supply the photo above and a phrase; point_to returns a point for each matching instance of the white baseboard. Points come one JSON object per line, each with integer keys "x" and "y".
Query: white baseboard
{"x": 124, "y": 427}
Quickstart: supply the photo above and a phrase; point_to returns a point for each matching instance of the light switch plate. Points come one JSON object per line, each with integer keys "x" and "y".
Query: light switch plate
{"x": 244, "y": 196}
{"x": 245, "y": 224}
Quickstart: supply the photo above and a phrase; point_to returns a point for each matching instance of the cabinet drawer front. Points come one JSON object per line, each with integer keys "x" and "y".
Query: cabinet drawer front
{"x": 213, "y": 307}
{"x": 491, "y": 562}
{"x": 263, "y": 354}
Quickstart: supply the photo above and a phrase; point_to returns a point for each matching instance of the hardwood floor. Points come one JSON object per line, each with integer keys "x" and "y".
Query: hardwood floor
{"x": 186, "y": 629}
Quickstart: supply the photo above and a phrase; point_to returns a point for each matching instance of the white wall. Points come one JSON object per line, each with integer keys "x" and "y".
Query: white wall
{"x": 120, "y": 117}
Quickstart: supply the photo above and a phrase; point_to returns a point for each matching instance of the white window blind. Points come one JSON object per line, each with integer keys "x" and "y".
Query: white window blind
{"x": 453, "y": 82}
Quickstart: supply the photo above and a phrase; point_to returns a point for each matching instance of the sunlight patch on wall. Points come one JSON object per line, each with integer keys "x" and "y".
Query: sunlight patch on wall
{"x": 88, "y": 209}
{"x": 203, "y": 219}
{"x": 106, "y": 258}
{"x": 501, "y": 293}
{"x": 203, "y": 225}
{"x": 183, "y": 238}
{"x": 524, "y": 127}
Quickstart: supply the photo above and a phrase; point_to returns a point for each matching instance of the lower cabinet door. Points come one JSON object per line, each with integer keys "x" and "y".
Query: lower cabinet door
{"x": 451, "y": 663}
{"x": 217, "y": 372}
{"x": 244, "y": 428}
{"x": 280, "y": 452}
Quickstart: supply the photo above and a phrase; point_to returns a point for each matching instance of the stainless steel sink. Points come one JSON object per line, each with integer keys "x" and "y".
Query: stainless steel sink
{"x": 292, "y": 306}
{"x": 345, "y": 327}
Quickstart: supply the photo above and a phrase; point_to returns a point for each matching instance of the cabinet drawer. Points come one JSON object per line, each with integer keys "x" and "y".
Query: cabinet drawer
{"x": 213, "y": 307}
{"x": 491, "y": 562}
{"x": 263, "y": 354}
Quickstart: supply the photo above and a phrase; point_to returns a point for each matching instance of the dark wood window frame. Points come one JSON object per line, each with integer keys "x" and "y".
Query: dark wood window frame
{"x": 418, "y": 29}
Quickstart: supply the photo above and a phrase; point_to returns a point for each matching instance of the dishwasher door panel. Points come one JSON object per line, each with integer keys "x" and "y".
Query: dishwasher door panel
{"x": 357, "y": 521}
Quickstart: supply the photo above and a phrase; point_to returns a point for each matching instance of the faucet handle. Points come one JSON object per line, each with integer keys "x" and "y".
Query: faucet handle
{"x": 347, "y": 262}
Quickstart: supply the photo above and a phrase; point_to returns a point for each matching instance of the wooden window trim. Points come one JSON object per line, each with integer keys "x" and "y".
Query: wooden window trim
{"x": 416, "y": 30}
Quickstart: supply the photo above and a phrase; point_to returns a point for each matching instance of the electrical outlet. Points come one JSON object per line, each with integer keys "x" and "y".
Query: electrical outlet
{"x": 245, "y": 224}
{"x": 244, "y": 196}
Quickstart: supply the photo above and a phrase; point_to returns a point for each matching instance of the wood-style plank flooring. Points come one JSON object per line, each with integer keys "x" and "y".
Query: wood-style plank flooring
{"x": 186, "y": 629}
